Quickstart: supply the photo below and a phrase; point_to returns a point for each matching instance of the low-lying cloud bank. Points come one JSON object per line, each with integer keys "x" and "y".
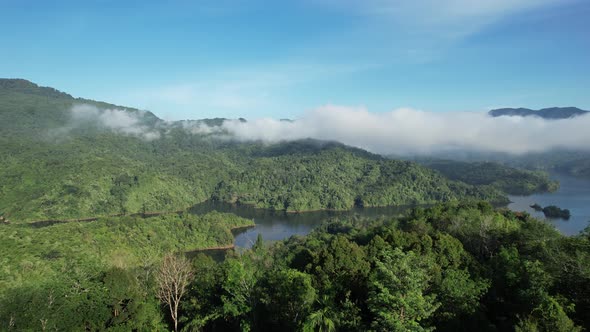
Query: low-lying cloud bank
{"x": 400, "y": 132}
{"x": 407, "y": 131}
{"x": 124, "y": 122}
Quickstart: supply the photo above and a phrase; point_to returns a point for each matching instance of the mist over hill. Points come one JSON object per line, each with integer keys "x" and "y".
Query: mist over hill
{"x": 403, "y": 132}
{"x": 66, "y": 157}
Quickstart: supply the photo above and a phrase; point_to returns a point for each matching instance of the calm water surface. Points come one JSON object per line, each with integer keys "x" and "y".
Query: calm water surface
{"x": 573, "y": 194}
{"x": 278, "y": 225}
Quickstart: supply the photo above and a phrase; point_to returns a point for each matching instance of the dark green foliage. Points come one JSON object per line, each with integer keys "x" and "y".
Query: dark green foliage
{"x": 398, "y": 299}
{"x": 339, "y": 179}
{"x": 287, "y": 298}
{"x": 453, "y": 267}
{"x": 507, "y": 179}
{"x": 69, "y": 304}
{"x": 553, "y": 211}
{"x": 547, "y": 316}
{"x": 96, "y": 275}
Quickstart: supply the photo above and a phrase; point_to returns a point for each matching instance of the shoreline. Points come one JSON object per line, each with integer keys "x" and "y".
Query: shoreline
{"x": 493, "y": 203}
{"x": 237, "y": 228}
{"x": 48, "y": 222}
{"x": 221, "y": 247}
{"x": 213, "y": 248}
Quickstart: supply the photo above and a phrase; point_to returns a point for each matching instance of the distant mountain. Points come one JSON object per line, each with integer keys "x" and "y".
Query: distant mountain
{"x": 545, "y": 113}
{"x": 26, "y": 105}
{"x": 27, "y": 87}
{"x": 63, "y": 157}
{"x": 29, "y": 109}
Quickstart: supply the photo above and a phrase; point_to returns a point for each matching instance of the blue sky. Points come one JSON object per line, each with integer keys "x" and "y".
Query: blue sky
{"x": 196, "y": 59}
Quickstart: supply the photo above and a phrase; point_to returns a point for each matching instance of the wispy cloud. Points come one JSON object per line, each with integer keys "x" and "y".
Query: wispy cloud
{"x": 450, "y": 19}
{"x": 120, "y": 121}
{"x": 407, "y": 131}
{"x": 420, "y": 32}
{"x": 402, "y": 131}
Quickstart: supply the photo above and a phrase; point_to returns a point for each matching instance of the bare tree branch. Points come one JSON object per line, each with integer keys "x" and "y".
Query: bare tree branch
{"x": 173, "y": 278}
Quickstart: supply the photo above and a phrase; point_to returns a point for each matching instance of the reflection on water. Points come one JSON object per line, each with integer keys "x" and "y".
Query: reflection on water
{"x": 573, "y": 194}
{"x": 278, "y": 225}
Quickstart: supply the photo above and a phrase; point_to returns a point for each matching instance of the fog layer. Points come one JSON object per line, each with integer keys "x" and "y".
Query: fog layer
{"x": 121, "y": 121}
{"x": 407, "y": 131}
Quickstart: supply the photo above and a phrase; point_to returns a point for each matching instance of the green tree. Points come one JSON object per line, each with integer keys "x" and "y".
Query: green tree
{"x": 549, "y": 316}
{"x": 239, "y": 297}
{"x": 459, "y": 294}
{"x": 398, "y": 297}
{"x": 323, "y": 319}
{"x": 288, "y": 296}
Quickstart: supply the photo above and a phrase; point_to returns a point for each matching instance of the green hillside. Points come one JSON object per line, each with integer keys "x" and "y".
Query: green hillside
{"x": 108, "y": 242}
{"x": 450, "y": 267}
{"x": 339, "y": 179}
{"x": 57, "y": 163}
{"x": 507, "y": 179}
{"x": 579, "y": 168}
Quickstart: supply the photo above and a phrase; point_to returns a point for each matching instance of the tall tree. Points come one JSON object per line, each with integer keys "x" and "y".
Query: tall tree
{"x": 173, "y": 277}
{"x": 398, "y": 298}
{"x": 239, "y": 298}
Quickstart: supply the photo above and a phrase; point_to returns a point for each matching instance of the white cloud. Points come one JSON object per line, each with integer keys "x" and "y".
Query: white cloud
{"x": 196, "y": 127}
{"x": 403, "y": 131}
{"x": 120, "y": 121}
{"x": 408, "y": 131}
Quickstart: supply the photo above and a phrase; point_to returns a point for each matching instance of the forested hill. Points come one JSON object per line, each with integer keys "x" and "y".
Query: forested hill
{"x": 66, "y": 157}
{"x": 451, "y": 267}
{"x": 30, "y": 110}
{"x": 545, "y": 113}
{"x": 505, "y": 178}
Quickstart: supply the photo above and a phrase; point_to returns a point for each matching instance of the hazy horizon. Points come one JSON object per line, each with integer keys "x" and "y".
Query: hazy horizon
{"x": 399, "y": 132}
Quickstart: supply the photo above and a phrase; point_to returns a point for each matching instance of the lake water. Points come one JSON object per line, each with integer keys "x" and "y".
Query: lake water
{"x": 573, "y": 194}
{"x": 278, "y": 225}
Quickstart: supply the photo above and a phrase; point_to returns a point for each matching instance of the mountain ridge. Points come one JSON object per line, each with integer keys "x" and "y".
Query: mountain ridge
{"x": 100, "y": 170}
{"x": 552, "y": 113}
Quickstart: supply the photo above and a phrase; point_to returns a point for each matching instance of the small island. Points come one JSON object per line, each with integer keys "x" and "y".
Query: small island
{"x": 552, "y": 211}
